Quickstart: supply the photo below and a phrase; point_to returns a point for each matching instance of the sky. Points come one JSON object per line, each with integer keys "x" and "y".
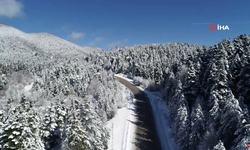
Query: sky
{"x": 110, "y": 23}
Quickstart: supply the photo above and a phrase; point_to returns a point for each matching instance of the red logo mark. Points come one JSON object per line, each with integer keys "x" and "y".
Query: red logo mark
{"x": 210, "y": 26}
{"x": 248, "y": 145}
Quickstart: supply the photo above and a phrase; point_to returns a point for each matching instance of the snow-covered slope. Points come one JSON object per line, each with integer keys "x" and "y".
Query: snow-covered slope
{"x": 26, "y": 45}
{"x": 87, "y": 48}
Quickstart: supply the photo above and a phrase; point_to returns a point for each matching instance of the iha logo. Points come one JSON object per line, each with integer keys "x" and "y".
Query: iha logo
{"x": 214, "y": 27}
{"x": 248, "y": 145}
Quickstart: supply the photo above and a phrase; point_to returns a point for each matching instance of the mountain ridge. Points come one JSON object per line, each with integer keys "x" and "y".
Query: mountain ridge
{"x": 12, "y": 38}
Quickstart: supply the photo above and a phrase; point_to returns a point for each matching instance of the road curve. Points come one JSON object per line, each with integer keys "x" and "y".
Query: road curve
{"x": 145, "y": 133}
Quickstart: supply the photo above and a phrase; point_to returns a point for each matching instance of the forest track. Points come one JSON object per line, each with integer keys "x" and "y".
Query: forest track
{"x": 145, "y": 132}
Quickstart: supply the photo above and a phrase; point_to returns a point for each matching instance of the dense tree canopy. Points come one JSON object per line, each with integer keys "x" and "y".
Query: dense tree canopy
{"x": 70, "y": 99}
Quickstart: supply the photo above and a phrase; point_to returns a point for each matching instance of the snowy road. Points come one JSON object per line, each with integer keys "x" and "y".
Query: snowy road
{"x": 145, "y": 135}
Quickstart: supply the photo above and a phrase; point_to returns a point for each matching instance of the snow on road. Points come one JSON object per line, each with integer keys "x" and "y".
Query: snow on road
{"x": 162, "y": 120}
{"x": 123, "y": 77}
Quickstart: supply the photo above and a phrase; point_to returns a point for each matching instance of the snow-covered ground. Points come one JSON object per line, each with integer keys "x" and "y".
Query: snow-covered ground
{"x": 162, "y": 120}
{"x": 117, "y": 127}
{"x": 161, "y": 117}
{"x": 121, "y": 130}
{"x": 130, "y": 140}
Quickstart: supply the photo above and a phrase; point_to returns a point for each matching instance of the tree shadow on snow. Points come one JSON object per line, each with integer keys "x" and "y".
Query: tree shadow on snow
{"x": 146, "y": 137}
{"x": 145, "y": 132}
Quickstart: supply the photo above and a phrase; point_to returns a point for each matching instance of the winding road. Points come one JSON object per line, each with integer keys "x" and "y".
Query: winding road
{"x": 145, "y": 132}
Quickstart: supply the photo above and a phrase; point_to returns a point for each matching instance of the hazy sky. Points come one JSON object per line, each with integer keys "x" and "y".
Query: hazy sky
{"x": 107, "y": 23}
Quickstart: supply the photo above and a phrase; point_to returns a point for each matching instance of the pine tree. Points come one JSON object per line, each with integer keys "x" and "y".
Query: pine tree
{"x": 242, "y": 132}
{"x": 2, "y": 121}
{"x": 76, "y": 137}
{"x": 23, "y": 129}
{"x": 229, "y": 119}
{"x": 54, "y": 122}
{"x": 243, "y": 84}
{"x": 181, "y": 116}
{"x": 197, "y": 124}
{"x": 97, "y": 134}
{"x": 217, "y": 86}
{"x": 209, "y": 141}
{"x": 190, "y": 88}
{"x": 182, "y": 128}
{"x": 219, "y": 146}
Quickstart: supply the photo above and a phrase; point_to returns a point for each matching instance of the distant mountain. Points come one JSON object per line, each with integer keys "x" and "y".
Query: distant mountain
{"x": 15, "y": 43}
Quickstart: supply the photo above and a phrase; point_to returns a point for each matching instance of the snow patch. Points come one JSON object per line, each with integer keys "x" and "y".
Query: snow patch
{"x": 124, "y": 77}
{"x": 28, "y": 87}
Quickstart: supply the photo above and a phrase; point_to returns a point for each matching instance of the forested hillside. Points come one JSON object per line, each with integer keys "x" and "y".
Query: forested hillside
{"x": 63, "y": 99}
{"x": 207, "y": 89}
{"x": 52, "y": 101}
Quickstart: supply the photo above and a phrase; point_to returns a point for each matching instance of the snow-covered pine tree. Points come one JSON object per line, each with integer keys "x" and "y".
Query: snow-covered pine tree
{"x": 94, "y": 126}
{"x": 2, "y": 121}
{"x": 197, "y": 124}
{"x": 217, "y": 87}
{"x": 190, "y": 88}
{"x": 244, "y": 84}
{"x": 219, "y": 146}
{"x": 22, "y": 130}
{"x": 209, "y": 140}
{"x": 77, "y": 137}
{"x": 229, "y": 119}
{"x": 182, "y": 128}
{"x": 48, "y": 126}
{"x": 54, "y": 122}
{"x": 181, "y": 118}
{"x": 242, "y": 133}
